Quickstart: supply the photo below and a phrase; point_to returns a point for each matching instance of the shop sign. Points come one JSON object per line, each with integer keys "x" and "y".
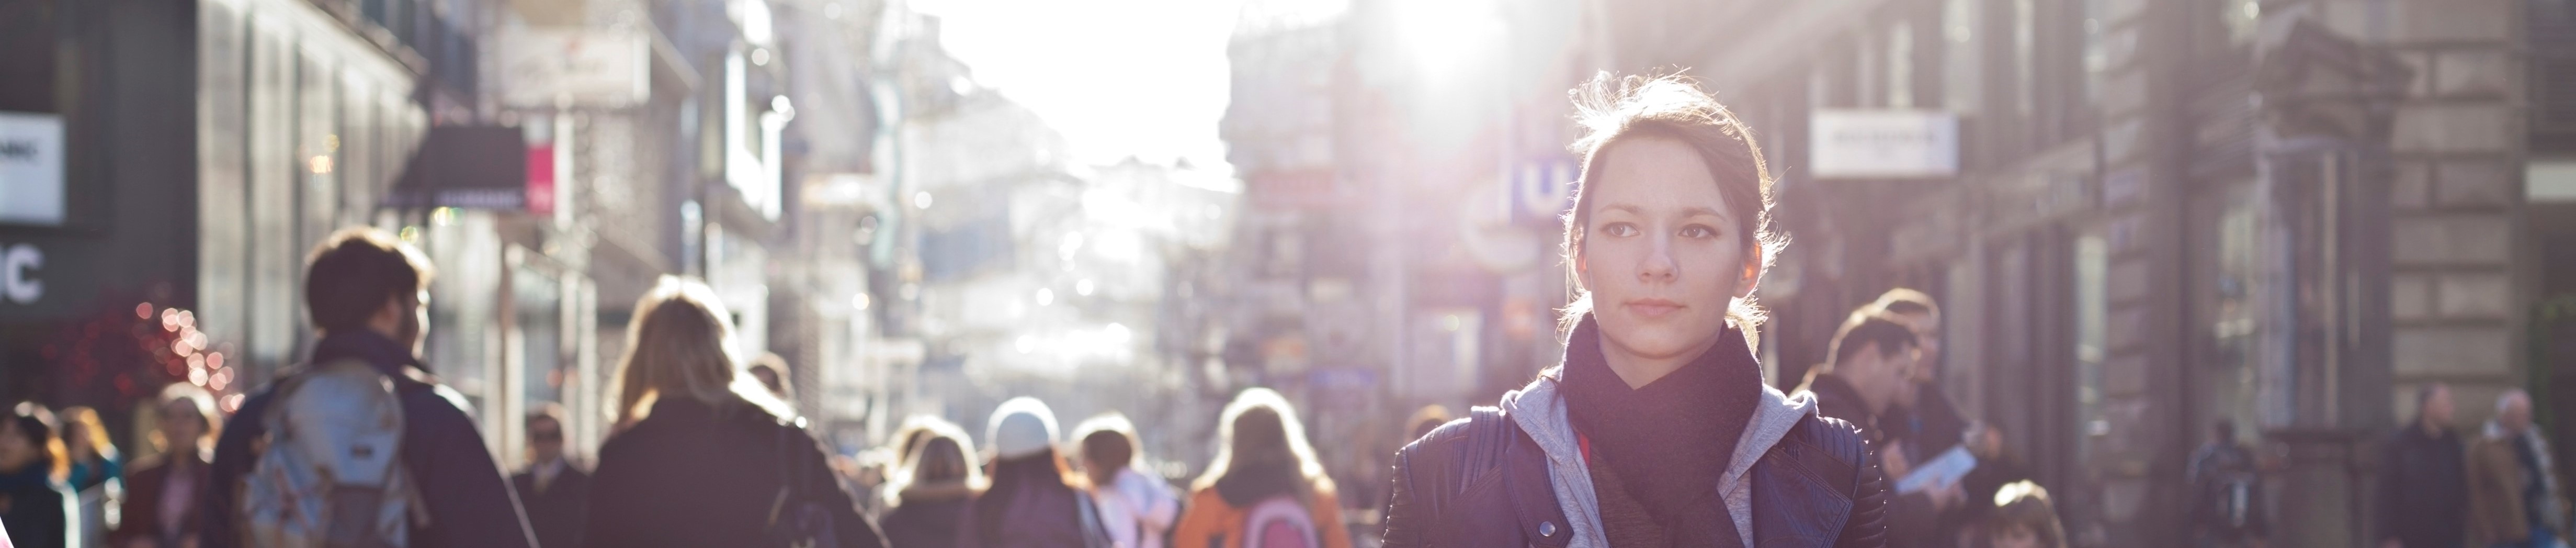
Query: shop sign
{"x": 549, "y": 68}
{"x": 1883, "y": 144}
{"x": 31, "y": 168}
{"x": 18, "y": 283}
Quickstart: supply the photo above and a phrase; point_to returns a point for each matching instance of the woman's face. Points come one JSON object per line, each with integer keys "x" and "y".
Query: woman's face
{"x": 1661, "y": 251}
{"x": 181, "y": 424}
{"x": 15, "y": 451}
{"x": 2016, "y": 536}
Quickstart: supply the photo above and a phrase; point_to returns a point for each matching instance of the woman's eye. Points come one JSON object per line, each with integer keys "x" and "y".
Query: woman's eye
{"x": 1620, "y": 230}
{"x": 1698, "y": 231}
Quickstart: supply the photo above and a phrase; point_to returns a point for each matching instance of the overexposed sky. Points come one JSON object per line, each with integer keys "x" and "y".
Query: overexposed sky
{"x": 1118, "y": 77}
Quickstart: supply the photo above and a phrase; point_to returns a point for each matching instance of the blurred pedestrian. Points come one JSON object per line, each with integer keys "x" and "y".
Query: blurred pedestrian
{"x": 1426, "y": 419}
{"x": 161, "y": 508}
{"x": 1136, "y": 507}
{"x": 2023, "y": 518}
{"x": 2227, "y": 486}
{"x": 2514, "y": 495}
{"x": 39, "y": 507}
{"x": 368, "y": 292}
{"x": 553, "y": 490}
{"x": 93, "y": 454}
{"x": 1660, "y": 396}
{"x": 2423, "y": 481}
{"x": 771, "y": 370}
{"x": 1928, "y": 422}
{"x": 1867, "y": 381}
{"x": 930, "y": 487}
{"x": 1265, "y": 486}
{"x": 708, "y": 457}
{"x": 1035, "y": 500}
{"x": 97, "y": 472}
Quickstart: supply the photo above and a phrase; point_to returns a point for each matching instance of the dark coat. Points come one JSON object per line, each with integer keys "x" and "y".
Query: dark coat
{"x": 559, "y": 511}
{"x": 690, "y": 475}
{"x": 142, "y": 507}
{"x": 2423, "y": 489}
{"x": 1481, "y": 481}
{"x": 1036, "y": 515}
{"x": 926, "y": 518}
{"x": 468, "y": 500}
{"x": 33, "y": 506}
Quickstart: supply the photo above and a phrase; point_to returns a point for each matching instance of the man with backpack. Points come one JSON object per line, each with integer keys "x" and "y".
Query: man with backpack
{"x": 2227, "y": 507}
{"x": 360, "y": 446}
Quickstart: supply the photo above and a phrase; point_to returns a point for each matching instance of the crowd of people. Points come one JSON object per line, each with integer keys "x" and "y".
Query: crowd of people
{"x": 1657, "y": 429}
{"x": 2494, "y": 487}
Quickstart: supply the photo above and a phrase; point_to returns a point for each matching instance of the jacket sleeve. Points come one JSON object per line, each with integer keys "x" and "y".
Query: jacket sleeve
{"x": 470, "y": 504}
{"x": 1867, "y": 525}
{"x": 216, "y": 503}
{"x": 853, "y": 530}
{"x": 1405, "y": 521}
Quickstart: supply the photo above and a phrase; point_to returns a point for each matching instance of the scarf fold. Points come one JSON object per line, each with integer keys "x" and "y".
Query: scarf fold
{"x": 1666, "y": 444}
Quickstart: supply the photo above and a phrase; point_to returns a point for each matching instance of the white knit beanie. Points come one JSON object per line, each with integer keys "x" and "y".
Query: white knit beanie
{"x": 1021, "y": 427}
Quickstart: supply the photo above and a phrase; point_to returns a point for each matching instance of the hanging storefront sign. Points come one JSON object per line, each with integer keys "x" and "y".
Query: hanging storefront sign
{"x": 550, "y": 68}
{"x": 1883, "y": 144}
{"x": 31, "y": 169}
{"x": 474, "y": 167}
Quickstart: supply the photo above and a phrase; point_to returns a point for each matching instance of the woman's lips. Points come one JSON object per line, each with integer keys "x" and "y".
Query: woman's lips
{"x": 1652, "y": 308}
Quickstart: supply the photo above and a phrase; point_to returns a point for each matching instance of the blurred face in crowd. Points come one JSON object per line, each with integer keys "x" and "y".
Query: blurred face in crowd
{"x": 181, "y": 426}
{"x": 2514, "y": 414}
{"x": 1881, "y": 378}
{"x": 1661, "y": 253}
{"x": 545, "y": 440}
{"x": 404, "y": 319}
{"x": 2437, "y": 406}
{"x": 16, "y": 452}
{"x": 2016, "y": 536}
{"x": 1927, "y": 339}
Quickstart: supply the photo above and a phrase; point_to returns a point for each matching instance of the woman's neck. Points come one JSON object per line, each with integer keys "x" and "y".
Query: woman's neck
{"x": 1639, "y": 371}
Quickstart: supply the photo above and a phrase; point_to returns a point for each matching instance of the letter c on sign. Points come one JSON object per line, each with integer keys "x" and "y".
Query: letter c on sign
{"x": 17, "y": 282}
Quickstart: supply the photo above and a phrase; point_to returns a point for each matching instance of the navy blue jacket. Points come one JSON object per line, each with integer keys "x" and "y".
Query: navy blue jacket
{"x": 1481, "y": 481}
{"x": 468, "y": 500}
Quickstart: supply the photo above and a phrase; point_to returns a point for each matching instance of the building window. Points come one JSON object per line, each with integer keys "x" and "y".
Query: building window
{"x": 1963, "y": 61}
{"x": 2025, "y": 17}
{"x": 2241, "y": 17}
{"x": 1900, "y": 65}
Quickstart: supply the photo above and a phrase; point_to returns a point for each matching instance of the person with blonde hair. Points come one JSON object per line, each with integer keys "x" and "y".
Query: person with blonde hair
{"x": 1264, "y": 483}
{"x": 1658, "y": 428}
{"x": 703, "y": 455}
{"x": 161, "y": 508}
{"x": 93, "y": 454}
{"x": 930, "y": 484}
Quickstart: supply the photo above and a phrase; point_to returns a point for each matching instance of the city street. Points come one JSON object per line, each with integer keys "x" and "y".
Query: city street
{"x": 2173, "y": 272}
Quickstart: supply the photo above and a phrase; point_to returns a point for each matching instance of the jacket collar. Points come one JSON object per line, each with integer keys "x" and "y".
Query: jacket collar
{"x": 1539, "y": 409}
{"x": 368, "y": 346}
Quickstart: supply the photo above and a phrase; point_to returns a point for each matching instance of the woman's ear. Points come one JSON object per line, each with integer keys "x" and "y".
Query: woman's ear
{"x": 1582, "y": 267}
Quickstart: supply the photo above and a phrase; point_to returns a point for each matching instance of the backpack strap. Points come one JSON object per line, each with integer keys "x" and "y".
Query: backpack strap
{"x": 1489, "y": 433}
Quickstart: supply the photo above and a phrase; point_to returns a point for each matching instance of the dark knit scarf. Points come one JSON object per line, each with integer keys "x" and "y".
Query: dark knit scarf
{"x": 1666, "y": 443}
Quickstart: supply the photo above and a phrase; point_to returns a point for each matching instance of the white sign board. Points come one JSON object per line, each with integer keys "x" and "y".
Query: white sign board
{"x": 1883, "y": 144}
{"x": 546, "y": 68}
{"x": 31, "y": 168}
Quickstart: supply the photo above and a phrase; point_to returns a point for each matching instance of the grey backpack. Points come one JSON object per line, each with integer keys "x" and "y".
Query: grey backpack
{"x": 330, "y": 471}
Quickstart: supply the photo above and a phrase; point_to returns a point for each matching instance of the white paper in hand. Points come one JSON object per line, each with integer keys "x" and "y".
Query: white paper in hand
{"x": 1941, "y": 470}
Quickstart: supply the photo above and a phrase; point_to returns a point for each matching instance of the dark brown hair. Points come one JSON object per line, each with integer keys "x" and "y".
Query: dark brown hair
{"x": 2025, "y": 504}
{"x": 1673, "y": 108}
{"x": 351, "y": 275}
{"x": 1867, "y": 330}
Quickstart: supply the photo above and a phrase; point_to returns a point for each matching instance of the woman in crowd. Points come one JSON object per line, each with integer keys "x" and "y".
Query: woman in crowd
{"x": 34, "y": 501}
{"x": 1035, "y": 500}
{"x": 2023, "y": 518}
{"x": 93, "y": 455}
{"x": 1264, "y": 483}
{"x": 929, "y": 488}
{"x": 1657, "y": 429}
{"x": 707, "y": 456}
{"x": 1136, "y": 507}
{"x": 160, "y": 509}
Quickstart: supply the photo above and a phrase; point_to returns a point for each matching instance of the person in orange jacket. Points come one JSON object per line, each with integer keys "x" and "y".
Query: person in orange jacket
{"x": 1265, "y": 489}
